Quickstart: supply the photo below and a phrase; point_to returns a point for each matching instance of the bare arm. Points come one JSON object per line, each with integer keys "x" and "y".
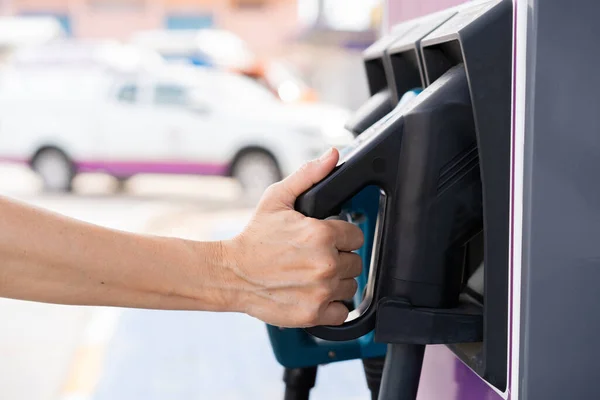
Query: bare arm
{"x": 284, "y": 268}
{"x": 50, "y": 258}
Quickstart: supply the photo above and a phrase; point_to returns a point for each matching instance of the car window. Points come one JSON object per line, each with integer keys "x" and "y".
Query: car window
{"x": 170, "y": 95}
{"x": 128, "y": 93}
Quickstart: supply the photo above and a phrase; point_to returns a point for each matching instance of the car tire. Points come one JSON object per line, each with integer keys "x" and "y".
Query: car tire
{"x": 255, "y": 171}
{"x": 121, "y": 184}
{"x": 55, "y": 169}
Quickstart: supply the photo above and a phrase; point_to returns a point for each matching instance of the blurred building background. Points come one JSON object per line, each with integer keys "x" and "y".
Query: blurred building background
{"x": 121, "y": 18}
{"x": 317, "y": 40}
{"x": 402, "y": 10}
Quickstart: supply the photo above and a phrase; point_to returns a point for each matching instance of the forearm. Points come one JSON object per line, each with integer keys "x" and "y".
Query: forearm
{"x": 50, "y": 258}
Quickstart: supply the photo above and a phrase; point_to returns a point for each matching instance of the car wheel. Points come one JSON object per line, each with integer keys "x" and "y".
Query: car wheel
{"x": 55, "y": 169}
{"x": 121, "y": 185}
{"x": 255, "y": 171}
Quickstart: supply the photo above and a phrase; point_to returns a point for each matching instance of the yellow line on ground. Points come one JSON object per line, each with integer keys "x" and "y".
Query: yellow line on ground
{"x": 88, "y": 360}
{"x": 85, "y": 371}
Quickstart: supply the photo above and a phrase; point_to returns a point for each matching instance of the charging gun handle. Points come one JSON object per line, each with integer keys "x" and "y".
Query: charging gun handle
{"x": 322, "y": 201}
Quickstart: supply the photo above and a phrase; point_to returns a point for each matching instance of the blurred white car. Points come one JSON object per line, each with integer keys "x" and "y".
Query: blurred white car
{"x": 66, "y": 118}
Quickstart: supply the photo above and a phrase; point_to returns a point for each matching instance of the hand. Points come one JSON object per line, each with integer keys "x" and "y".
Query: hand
{"x": 294, "y": 269}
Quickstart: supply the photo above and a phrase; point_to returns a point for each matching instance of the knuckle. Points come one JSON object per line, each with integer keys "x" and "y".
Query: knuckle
{"x": 322, "y": 296}
{"x": 305, "y": 168}
{"x": 308, "y": 165}
{"x": 325, "y": 273}
{"x": 309, "y": 317}
{"x": 322, "y": 233}
{"x": 270, "y": 195}
{"x": 329, "y": 262}
{"x": 305, "y": 231}
{"x": 273, "y": 189}
{"x": 314, "y": 319}
{"x": 326, "y": 267}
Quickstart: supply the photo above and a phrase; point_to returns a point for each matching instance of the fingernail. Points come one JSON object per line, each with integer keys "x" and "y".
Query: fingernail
{"x": 326, "y": 155}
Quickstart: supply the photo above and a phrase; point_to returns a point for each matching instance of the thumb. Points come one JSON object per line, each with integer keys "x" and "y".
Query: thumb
{"x": 304, "y": 178}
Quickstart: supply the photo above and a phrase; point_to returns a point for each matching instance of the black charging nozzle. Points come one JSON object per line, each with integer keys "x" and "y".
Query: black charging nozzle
{"x": 424, "y": 158}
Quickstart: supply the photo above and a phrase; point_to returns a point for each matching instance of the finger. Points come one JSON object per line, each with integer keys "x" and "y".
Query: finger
{"x": 348, "y": 237}
{"x": 350, "y": 265}
{"x": 346, "y": 289}
{"x": 303, "y": 179}
{"x": 334, "y": 314}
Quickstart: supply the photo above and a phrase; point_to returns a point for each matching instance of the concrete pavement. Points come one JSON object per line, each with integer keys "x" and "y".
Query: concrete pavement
{"x": 37, "y": 343}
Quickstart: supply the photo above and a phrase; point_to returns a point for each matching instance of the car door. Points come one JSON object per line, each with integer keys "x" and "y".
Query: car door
{"x": 191, "y": 128}
{"x": 133, "y": 141}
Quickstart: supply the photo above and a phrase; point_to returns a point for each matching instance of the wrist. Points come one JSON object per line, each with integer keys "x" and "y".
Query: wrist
{"x": 211, "y": 276}
{"x": 231, "y": 255}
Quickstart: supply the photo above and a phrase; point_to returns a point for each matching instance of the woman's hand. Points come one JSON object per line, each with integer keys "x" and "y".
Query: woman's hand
{"x": 293, "y": 270}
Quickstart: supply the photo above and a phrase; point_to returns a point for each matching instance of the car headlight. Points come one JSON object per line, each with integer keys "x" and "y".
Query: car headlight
{"x": 337, "y": 135}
